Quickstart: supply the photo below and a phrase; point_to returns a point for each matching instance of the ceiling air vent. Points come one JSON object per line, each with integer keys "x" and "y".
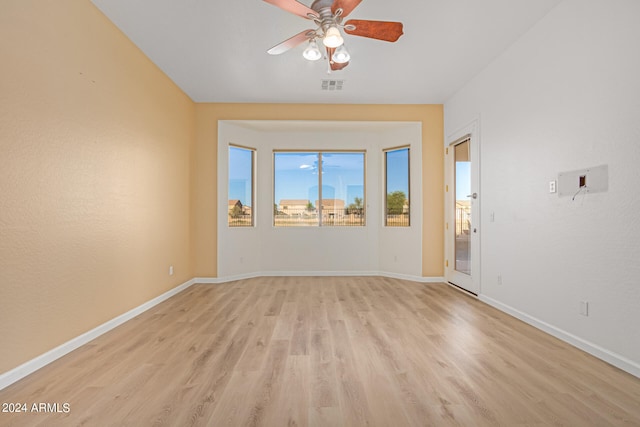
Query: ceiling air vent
{"x": 332, "y": 84}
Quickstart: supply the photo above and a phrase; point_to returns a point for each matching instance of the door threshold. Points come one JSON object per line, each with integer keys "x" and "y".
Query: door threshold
{"x": 466, "y": 291}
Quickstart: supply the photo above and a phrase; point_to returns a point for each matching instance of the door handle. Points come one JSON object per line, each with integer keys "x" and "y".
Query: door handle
{"x": 473, "y": 196}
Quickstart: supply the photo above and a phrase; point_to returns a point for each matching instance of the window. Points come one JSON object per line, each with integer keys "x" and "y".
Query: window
{"x": 315, "y": 189}
{"x": 241, "y": 194}
{"x": 396, "y": 171}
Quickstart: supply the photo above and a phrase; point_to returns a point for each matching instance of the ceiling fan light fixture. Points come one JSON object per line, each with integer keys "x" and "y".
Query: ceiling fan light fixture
{"x": 332, "y": 37}
{"x": 341, "y": 55}
{"x": 328, "y": 15}
{"x": 312, "y": 53}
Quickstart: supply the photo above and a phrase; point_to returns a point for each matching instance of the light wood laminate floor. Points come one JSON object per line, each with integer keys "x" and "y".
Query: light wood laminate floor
{"x": 327, "y": 351}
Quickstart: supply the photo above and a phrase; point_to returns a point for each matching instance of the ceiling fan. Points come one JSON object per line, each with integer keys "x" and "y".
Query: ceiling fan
{"x": 328, "y": 16}
{"x": 314, "y": 167}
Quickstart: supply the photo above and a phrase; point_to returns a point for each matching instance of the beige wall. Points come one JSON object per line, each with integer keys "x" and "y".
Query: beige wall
{"x": 107, "y": 175}
{"x": 205, "y": 185}
{"x": 95, "y": 147}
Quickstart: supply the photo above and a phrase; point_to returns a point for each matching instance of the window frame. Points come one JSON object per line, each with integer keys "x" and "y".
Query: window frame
{"x": 253, "y": 181}
{"x": 319, "y": 153}
{"x": 385, "y": 211}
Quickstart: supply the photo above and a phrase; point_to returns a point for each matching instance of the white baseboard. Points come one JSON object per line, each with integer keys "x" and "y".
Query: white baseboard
{"x": 16, "y": 374}
{"x": 595, "y": 350}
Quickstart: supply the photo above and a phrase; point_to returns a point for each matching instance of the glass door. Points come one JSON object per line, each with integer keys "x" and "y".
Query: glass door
{"x": 462, "y": 221}
{"x": 463, "y": 197}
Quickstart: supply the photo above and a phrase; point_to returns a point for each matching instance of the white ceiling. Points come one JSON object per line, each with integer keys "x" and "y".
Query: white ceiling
{"x": 217, "y": 51}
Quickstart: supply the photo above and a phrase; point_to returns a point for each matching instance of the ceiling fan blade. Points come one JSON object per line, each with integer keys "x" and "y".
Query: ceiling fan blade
{"x": 294, "y": 7}
{"x": 335, "y": 66}
{"x": 346, "y": 5}
{"x": 291, "y": 42}
{"x": 380, "y": 30}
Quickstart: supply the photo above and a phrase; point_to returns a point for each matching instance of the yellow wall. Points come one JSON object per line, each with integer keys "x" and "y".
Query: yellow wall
{"x": 205, "y": 179}
{"x": 107, "y": 175}
{"x": 95, "y": 163}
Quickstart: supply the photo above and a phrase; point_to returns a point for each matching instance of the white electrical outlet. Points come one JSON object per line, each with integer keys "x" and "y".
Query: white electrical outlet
{"x": 499, "y": 280}
{"x": 552, "y": 186}
{"x": 171, "y": 270}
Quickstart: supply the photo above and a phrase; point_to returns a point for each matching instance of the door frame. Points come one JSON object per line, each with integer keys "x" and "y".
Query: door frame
{"x": 469, "y": 283}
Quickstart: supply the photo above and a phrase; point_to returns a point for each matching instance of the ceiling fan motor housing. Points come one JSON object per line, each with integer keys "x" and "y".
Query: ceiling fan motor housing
{"x": 327, "y": 19}
{"x": 318, "y": 5}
